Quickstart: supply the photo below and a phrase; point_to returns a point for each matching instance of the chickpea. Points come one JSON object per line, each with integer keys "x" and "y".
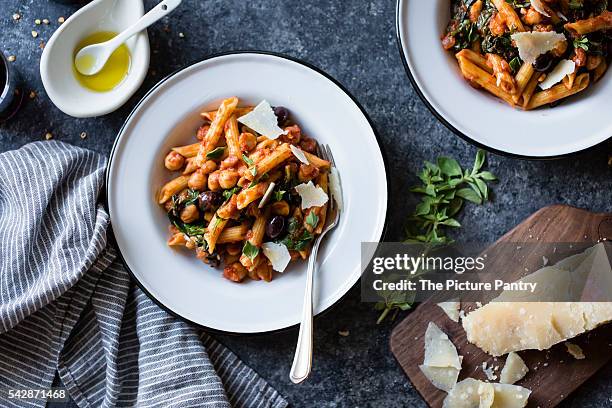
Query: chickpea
{"x": 228, "y": 179}
{"x": 308, "y": 144}
{"x": 532, "y": 17}
{"x": 475, "y": 10}
{"x": 190, "y": 214}
{"x": 213, "y": 181}
{"x": 202, "y": 131}
{"x": 174, "y": 161}
{"x": 209, "y": 166}
{"x": 264, "y": 271}
{"x": 198, "y": 181}
{"x": 293, "y": 136}
{"x": 235, "y": 272}
{"x": 593, "y": 62}
{"x": 559, "y": 49}
{"x": 280, "y": 208}
{"x": 580, "y": 58}
{"x": 229, "y": 163}
{"x": 497, "y": 25}
{"x": 307, "y": 172}
{"x": 233, "y": 249}
{"x": 247, "y": 141}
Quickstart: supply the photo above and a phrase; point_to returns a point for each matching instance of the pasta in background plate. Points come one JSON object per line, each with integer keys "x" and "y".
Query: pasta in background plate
{"x": 237, "y": 198}
{"x": 530, "y": 53}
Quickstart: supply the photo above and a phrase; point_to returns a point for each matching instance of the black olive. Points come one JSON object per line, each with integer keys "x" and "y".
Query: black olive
{"x": 210, "y": 200}
{"x": 543, "y": 62}
{"x": 275, "y": 227}
{"x": 282, "y": 114}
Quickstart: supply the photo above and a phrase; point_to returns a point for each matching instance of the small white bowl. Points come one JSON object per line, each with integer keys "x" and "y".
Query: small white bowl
{"x": 579, "y": 123}
{"x": 56, "y": 64}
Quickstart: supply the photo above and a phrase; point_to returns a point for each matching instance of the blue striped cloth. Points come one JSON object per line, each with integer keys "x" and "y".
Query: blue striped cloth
{"x": 68, "y": 305}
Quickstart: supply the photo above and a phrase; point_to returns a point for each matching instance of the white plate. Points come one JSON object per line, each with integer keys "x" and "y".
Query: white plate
{"x": 579, "y": 123}
{"x": 169, "y": 116}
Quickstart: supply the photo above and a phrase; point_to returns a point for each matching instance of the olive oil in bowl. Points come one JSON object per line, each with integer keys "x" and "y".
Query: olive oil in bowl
{"x": 114, "y": 72}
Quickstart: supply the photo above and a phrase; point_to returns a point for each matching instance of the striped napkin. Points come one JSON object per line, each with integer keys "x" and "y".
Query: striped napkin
{"x": 68, "y": 305}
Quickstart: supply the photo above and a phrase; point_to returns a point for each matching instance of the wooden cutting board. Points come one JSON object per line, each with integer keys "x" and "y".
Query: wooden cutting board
{"x": 553, "y": 374}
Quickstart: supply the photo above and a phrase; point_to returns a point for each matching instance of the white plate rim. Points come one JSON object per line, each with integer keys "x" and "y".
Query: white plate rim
{"x": 111, "y": 237}
{"x": 401, "y": 46}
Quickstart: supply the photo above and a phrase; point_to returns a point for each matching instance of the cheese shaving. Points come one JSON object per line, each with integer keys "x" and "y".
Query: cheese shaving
{"x": 514, "y": 370}
{"x": 335, "y": 187}
{"x": 563, "y": 69}
{"x": 540, "y": 7}
{"x": 299, "y": 154}
{"x": 439, "y": 350}
{"x": 533, "y": 44}
{"x": 311, "y": 196}
{"x": 575, "y": 350}
{"x": 266, "y": 195}
{"x": 451, "y": 309}
{"x": 278, "y": 254}
{"x": 263, "y": 121}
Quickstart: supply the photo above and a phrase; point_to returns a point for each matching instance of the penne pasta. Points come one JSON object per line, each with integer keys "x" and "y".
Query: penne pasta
{"x": 213, "y": 232}
{"x": 247, "y": 196}
{"x": 171, "y": 188}
{"x": 256, "y": 235}
{"x": 233, "y": 234}
{"x": 276, "y": 158}
{"x": 475, "y": 74}
{"x": 523, "y": 76}
{"x": 216, "y": 128}
{"x": 232, "y": 135}
{"x": 530, "y": 89}
{"x": 477, "y": 59}
{"x": 512, "y": 19}
{"x": 600, "y": 70}
{"x": 323, "y": 182}
{"x": 601, "y": 22}
{"x": 188, "y": 151}
{"x": 210, "y": 116}
{"x": 558, "y": 92}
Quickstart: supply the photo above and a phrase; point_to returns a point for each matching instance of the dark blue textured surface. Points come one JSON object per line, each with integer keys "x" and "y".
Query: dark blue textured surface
{"x": 354, "y": 41}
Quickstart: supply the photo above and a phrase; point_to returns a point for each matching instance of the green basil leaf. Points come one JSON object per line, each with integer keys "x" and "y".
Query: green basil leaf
{"x": 479, "y": 161}
{"x": 253, "y": 171}
{"x": 249, "y": 250}
{"x": 470, "y": 195}
{"x": 215, "y": 154}
{"x": 246, "y": 159}
{"x": 449, "y": 166}
{"x": 486, "y": 175}
{"x": 312, "y": 219}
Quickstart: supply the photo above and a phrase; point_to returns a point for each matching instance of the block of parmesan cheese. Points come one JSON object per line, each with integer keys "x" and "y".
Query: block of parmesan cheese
{"x": 442, "y": 363}
{"x": 501, "y": 327}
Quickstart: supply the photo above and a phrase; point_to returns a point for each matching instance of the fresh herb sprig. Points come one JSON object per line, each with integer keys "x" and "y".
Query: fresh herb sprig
{"x": 445, "y": 187}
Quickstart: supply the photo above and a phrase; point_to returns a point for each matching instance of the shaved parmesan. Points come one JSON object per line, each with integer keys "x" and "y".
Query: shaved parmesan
{"x": 540, "y": 7}
{"x": 311, "y": 196}
{"x": 514, "y": 370}
{"x": 266, "y": 195}
{"x": 263, "y": 120}
{"x": 575, "y": 350}
{"x": 443, "y": 378}
{"x": 563, "y": 69}
{"x": 439, "y": 350}
{"x": 471, "y": 393}
{"x": 451, "y": 309}
{"x": 299, "y": 154}
{"x": 533, "y": 44}
{"x": 334, "y": 187}
{"x": 278, "y": 254}
{"x": 510, "y": 396}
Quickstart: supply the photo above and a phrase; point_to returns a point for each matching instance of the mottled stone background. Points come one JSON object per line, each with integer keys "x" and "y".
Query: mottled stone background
{"x": 354, "y": 41}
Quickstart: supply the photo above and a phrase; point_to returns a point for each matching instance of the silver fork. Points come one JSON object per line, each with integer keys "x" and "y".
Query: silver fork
{"x": 302, "y": 360}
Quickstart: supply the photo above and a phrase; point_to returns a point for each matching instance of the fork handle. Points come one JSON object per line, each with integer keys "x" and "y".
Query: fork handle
{"x": 302, "y": 360}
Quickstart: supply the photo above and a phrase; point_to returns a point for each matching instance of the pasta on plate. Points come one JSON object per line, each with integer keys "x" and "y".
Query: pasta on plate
{"x": 251, "y": 193}
{"x": 530, "y": 53}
